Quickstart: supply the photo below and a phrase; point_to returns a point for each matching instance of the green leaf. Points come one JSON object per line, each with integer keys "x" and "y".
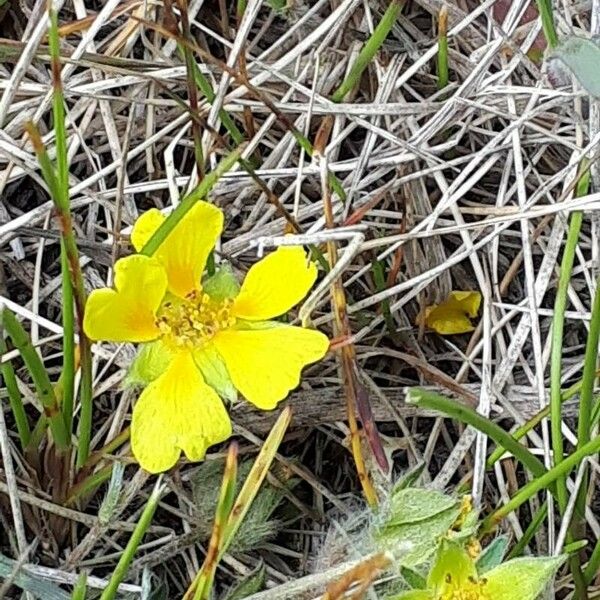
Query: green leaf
{"x": 151, "y": 361}
{"x": 582, "y": 57}
{"x": 252, "y": 583}
{"x": 411, "y": 505}
{"x": 414, "y": 579}
{"x": 414, "y": 543}
{"x": 223, "y": 284}
{"x": 37, "y": 585}
{"x": 215, "y": 373}
{"x": 410, "y": 478}
{"x": 493, "y": 555}
{"x": 522, "y": 578}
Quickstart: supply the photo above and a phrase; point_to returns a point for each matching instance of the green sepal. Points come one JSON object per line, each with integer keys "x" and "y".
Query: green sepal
{"x": 223, "y": 284}
{"x": 493, "y": 555}
{"x": 522, "y": 578}
{"x": 215, "y": 373}
{"x": 150, "y": 363}
{"x": 413, "y": 578}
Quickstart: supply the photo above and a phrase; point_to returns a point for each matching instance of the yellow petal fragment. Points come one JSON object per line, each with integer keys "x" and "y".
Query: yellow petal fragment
{"x": 177, "y": 412}
{"x": 127, "y": 313}
{"x": 185, "y": 250}
{"x": 469, "y": 302}
{"x": 265, "y": 364}
{"x": 275, "y": 284}
{"x": 145, "y": 226}
{"x": 453, "y": 316}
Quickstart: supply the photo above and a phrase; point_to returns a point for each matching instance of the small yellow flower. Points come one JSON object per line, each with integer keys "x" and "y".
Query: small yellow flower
{"x": 454, "y": 576}
{"x": 160, "y": 299}
{"x": 453, "y": 315}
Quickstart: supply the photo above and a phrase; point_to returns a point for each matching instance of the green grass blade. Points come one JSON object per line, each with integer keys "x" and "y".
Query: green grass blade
{"x": 58, "y": 184}
{"x": 14, "y": 397}
{"x": 80, "y": 589}
{"x": 524, "y": 429}
{"x": 200, "y": 192}
{"x": 39, "y": 375}
{"x": 547, "y": 16}
{"x": 532, "y": 528}
{"x": 558, "y": 324}
{"x": 205, "y": 578}
{"x": 442, "y": 56}
{"x": 543, "y": 482}
{"x": 67, "y": 375}
{"x": 368, "y": 51}
{"x": 110, "y": 592}
{"x": 467, "y": 415}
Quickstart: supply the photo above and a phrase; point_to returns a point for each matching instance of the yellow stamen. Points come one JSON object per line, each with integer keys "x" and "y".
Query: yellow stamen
{"x": 195, "y": 320}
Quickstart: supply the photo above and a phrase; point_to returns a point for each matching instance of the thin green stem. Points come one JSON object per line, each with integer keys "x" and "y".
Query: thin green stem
{"x": 541, "y": 482}
{"x": 368, "y": 51}
{"x": 442, "y": 56}
{"x": 535, "y": 523}
{"x": 206, "y": 575}
{"x": 591, "y": 570}
{"x": 524, "y": 429}
{"x": 14, "y": 397}
{"x": 68, "y": 367}
{"x": 586, "y": 396}
{"x": 186, "y": 204}
{"x": 558, "y": 324}
{"x": 58, "y": 184}
{"x": 110, "y": 592}
{"x": 204, "y": 85}
{"x": 89, "y": 484}
{"x": 39, "y": 375}
{"x": 547, "y": 16}
{"x": 80, "y": 589}
{"x": 464, "y": 414}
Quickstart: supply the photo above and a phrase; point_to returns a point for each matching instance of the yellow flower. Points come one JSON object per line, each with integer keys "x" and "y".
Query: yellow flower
{"x": 454, "y": 576}
{"x": 454, "y": 314}
{"x": 197, "y": 336}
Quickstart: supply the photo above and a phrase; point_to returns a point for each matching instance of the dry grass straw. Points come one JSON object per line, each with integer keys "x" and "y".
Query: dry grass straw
{"x": 469, "y": 187}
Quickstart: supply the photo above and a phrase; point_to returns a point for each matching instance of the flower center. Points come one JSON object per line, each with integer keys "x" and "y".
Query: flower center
{"x": 194, "y": 320}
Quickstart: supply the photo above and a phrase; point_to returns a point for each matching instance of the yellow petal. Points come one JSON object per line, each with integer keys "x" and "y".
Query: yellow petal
{"x": 265, "y": 364}
{"x": 468, "y": 302}
{"x": 145, "y": 226}
{"x": 446, "y": 321}
{"x": 453, "y": 316}
{"x": 177, "y": 412}
{"x": 186, "y": 248}
{"x": 275, "y": 284}
{"x": 127, "y": 313}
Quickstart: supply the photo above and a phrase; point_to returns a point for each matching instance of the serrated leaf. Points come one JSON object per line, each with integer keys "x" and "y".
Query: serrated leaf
{"x": 223, "y": 284}
{"x": 582, "y": 57}
{"x": 493, "y": 555}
